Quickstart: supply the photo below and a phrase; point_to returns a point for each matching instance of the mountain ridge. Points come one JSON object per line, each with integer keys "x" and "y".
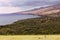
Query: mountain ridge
{"x": 43, "y": 10}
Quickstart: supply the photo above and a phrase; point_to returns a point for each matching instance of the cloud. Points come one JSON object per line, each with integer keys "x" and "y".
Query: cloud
{"x": 52, "y": 0}
{"x": 9, "y": 6}
{"x": 33, "y": 3}
{"x": 5, "y": 2}
{"x": 41, "y": 2}
{"x": 22, "y": 3}
{"x": 9, "y": 10}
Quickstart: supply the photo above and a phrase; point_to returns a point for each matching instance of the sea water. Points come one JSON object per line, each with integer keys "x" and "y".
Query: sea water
{"x": 10, "y": 18}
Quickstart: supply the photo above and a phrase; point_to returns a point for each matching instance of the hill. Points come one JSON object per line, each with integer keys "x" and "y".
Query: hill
{"x": 48, "y": 23}
{"x": 35, "y": 26}
{"x": 43, "y": 10}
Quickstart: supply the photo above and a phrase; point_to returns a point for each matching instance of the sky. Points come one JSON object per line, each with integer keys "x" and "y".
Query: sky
{"x": 11, "y": 6}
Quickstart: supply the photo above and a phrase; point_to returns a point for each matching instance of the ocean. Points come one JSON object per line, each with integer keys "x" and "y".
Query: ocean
{"x": 10, "y": 18}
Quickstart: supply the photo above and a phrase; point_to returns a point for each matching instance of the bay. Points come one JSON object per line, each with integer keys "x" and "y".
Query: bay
{"x": 10, "y": 18}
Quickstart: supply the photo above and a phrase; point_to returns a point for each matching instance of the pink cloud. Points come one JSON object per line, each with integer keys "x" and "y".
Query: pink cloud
{"x": 4, "y": 10}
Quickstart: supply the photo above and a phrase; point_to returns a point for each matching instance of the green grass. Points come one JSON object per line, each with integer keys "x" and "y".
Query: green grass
{"x": 35, "y": 26}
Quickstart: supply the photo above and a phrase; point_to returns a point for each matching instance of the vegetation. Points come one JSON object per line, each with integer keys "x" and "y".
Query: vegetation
{"x": 35, "y": 26}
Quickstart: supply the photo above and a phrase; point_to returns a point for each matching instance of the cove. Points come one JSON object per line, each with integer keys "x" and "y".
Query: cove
{"x": 10, "y": 18}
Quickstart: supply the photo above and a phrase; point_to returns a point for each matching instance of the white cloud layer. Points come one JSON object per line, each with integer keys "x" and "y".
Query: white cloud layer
{"x": 6, "y": 10}
{"x": 5, "y": 0}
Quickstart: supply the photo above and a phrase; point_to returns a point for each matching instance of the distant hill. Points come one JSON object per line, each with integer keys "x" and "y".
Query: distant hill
{"x": 44, "y": 10}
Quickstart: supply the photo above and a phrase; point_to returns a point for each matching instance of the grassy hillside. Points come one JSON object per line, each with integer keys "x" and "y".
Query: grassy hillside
{"x": 41, "y": 25}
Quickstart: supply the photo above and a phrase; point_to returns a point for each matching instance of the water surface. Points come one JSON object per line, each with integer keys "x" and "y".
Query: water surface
{"x": 10, "y": 18}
